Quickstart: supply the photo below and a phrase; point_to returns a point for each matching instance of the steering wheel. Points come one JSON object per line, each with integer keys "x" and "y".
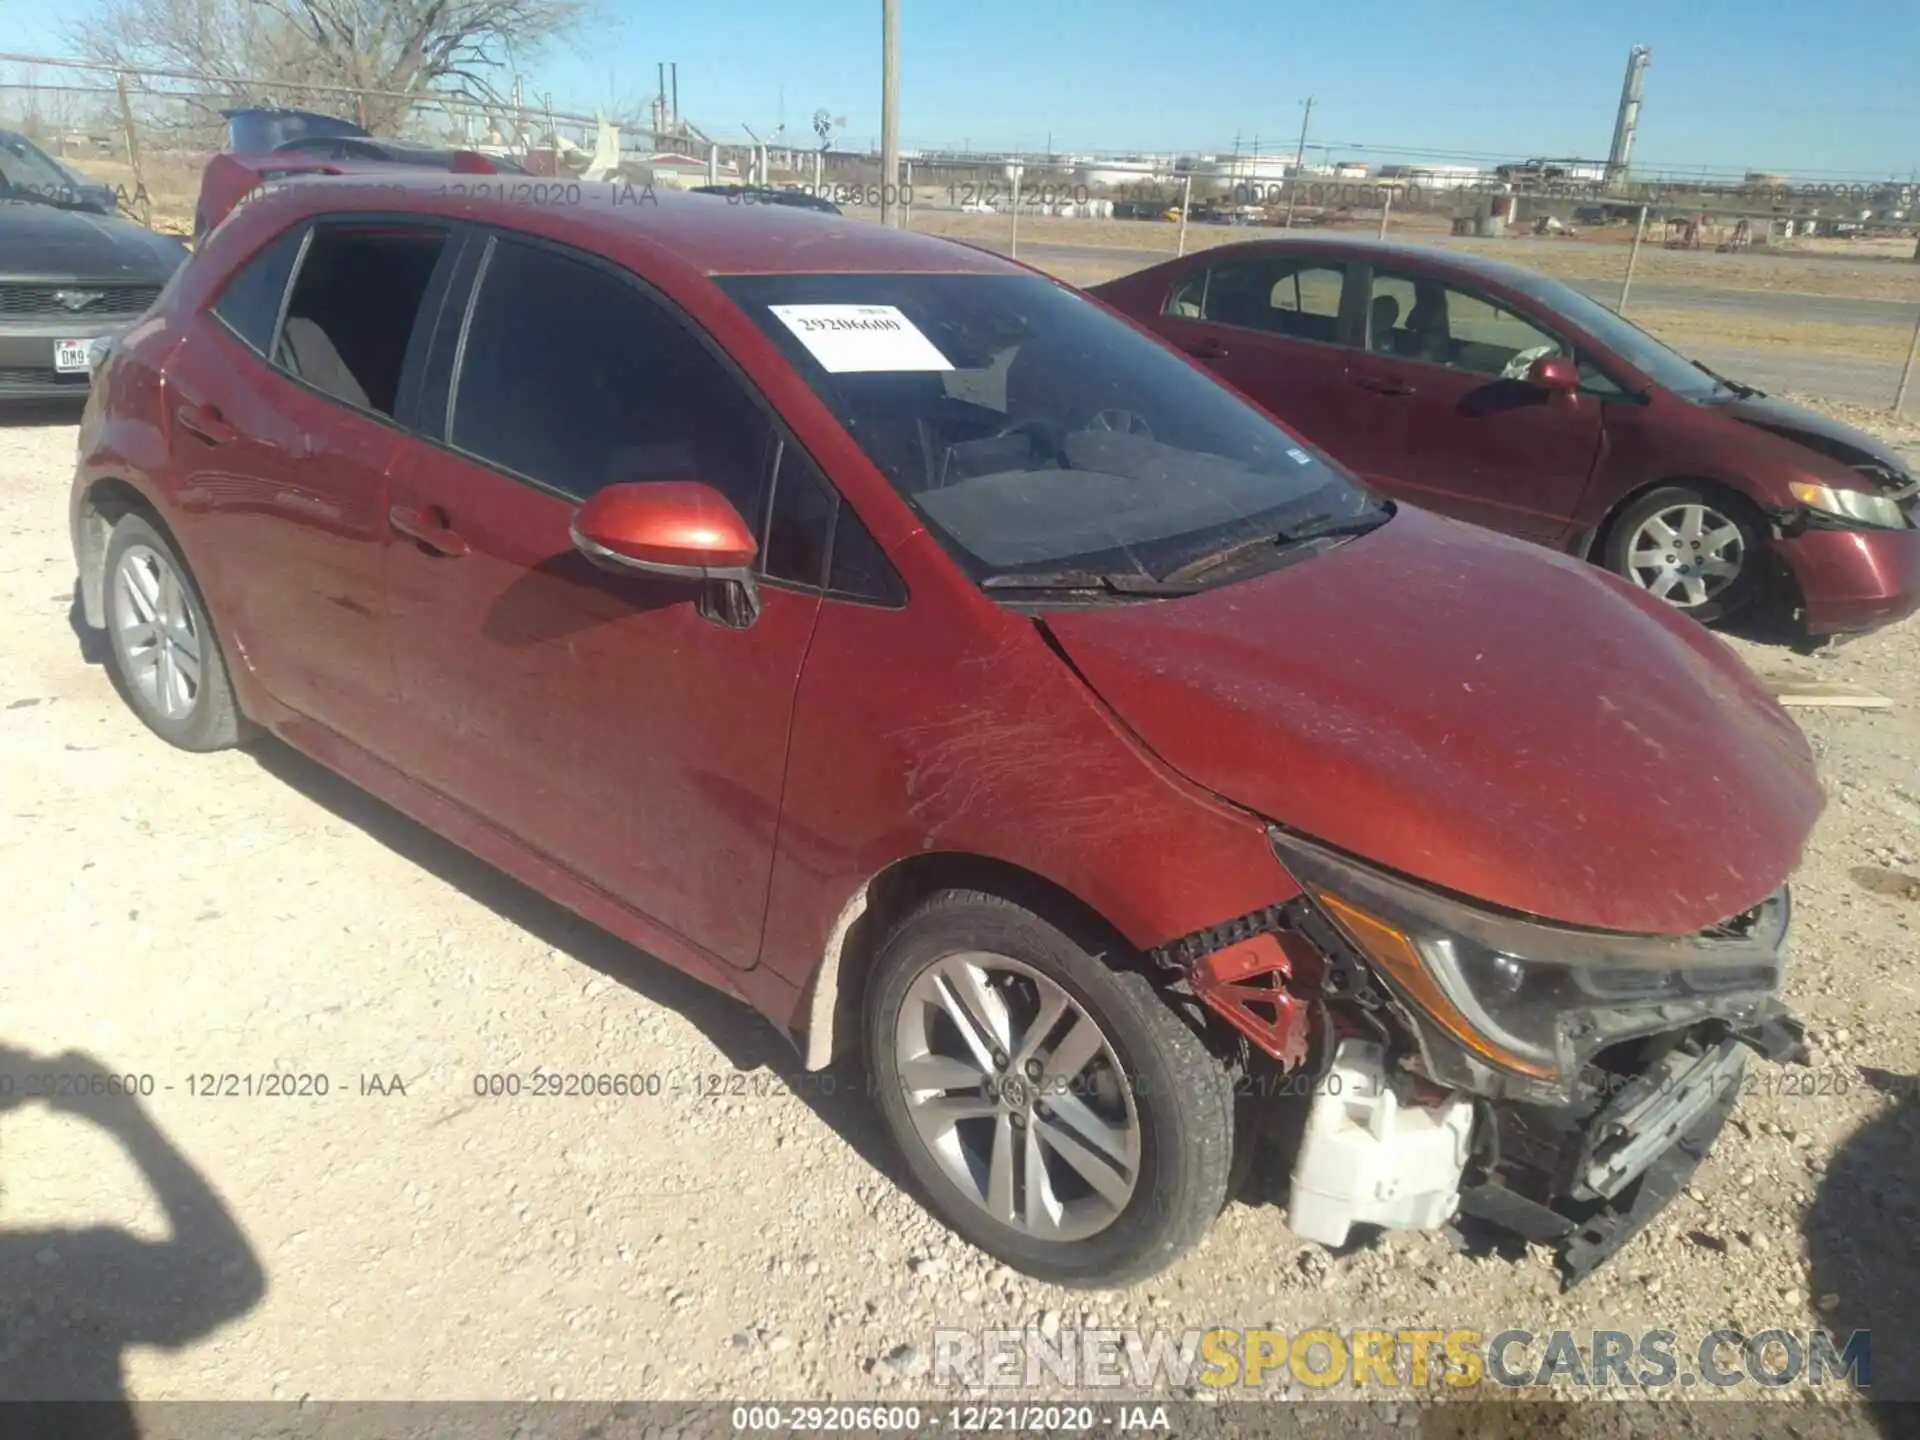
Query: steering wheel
{"x": 1521, "y": 362}
{"x": 1120, "y": 422}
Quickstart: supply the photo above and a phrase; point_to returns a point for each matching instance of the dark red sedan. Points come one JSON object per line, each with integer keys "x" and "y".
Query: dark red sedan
{"x": 905, "y": 644}
{"x": 1492, "y": 393}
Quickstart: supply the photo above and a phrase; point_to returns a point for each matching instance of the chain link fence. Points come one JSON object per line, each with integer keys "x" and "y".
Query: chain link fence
{"x": 1785, "y": 284}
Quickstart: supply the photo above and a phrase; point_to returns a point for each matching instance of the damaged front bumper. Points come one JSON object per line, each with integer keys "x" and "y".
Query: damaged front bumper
{"x": 1560, "y": 1083}
{"x": 1586, "y": 1177}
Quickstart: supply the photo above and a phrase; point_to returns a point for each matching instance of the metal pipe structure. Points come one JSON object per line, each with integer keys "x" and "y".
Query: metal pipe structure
{"x": 1186, "y": 204}
{"x": 1628, "y": 120}
{"x": 889, "y": 111}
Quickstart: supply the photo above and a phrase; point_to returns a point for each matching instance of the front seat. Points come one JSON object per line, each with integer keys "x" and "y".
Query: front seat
{"x": 1381, "y": 317}
{"x": 305, "y": 351}
{"x": 1426, "y": 333}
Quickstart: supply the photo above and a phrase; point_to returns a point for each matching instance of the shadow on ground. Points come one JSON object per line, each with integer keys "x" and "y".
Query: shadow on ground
{"x": 1861, "y": 1244}
{"x": 73, "y": 1299}
{"x": 36, "y": 414}
{"x": 747, "y": 1040}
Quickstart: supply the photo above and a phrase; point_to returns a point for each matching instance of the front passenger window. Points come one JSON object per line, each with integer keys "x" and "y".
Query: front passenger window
{"x": 575, "y": 379}
{"x": 1418, "y": 318}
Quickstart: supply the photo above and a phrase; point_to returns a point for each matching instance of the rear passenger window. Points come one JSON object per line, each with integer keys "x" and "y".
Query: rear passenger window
{"x": 250, "y": 305}
{"x": 1302, "y": 296}
{"x": 353, "y": 309}
{"x": 1189, "y": 298}
{"x": 571, "y": 377}
{"x": 1300, "y": 300}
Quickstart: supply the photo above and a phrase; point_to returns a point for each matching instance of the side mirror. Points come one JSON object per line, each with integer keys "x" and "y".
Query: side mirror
{"x": 1555, "y": 373}
{"x": 666, "y": 527}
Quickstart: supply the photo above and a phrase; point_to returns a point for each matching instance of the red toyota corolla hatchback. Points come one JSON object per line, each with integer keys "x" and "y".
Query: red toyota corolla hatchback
{"x": 909, "y": 646}
{"x": 1494, "y": 394}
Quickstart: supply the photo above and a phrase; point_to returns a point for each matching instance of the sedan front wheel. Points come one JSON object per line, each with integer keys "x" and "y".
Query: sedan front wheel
{"x": 1698, "y": 552}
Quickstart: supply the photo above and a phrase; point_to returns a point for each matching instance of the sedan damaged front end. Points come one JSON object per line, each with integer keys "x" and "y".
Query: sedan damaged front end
{"x": 1557, "y": 1082}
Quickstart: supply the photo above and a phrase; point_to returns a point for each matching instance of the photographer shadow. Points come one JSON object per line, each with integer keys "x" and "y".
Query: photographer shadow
{"x": 1860, "y": 1243}
{"x": 73, "y": 1299}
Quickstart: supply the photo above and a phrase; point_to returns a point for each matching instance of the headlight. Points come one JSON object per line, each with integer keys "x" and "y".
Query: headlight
{"x": 1529, "y": 1000}
{"x": 1856, "y": 505}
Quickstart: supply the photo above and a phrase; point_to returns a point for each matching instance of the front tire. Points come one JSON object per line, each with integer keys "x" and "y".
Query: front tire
{"x": 161, "y": 645}
{"x": 1052, "y": 1110}
{"x": 1702, "y": 552}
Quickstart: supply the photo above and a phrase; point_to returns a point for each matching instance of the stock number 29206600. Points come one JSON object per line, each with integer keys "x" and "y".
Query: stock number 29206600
{"x": 770, "y": 1419}
{"x": 570, "y": 1084}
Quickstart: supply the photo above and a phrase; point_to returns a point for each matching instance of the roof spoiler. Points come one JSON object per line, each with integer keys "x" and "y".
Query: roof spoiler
{"x": 258, "y": 129}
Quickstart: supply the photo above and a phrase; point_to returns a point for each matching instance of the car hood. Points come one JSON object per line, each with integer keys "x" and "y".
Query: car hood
{"x": 43, "y": 240}
{"x": 1834, "y": 439}
{"x": 1489, "y": 717}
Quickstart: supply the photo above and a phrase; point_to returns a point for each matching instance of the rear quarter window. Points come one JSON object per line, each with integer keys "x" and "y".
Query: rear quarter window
{"x": 249, "y": 306}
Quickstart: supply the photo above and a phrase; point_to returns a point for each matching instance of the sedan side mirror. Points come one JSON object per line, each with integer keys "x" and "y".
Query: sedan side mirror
{"x": 1555, "y": 373}
{"x": 678, "y": 528}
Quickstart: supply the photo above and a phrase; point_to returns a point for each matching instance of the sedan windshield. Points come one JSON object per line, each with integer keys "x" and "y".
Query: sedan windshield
{"x": 1040, "y": 436}
{"x": 1665, "y": 367}
{"x": 27, "y": 170}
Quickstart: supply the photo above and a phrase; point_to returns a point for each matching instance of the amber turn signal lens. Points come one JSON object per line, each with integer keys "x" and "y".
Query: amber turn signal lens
{"x": 1398, "y": 956}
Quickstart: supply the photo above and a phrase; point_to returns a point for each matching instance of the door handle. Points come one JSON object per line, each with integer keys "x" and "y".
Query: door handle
{"x": 1205, "y": 349}
{"x": 206, "y": 422}
{"x": 416, "y": 526}
{"x": 1381, "y": 385}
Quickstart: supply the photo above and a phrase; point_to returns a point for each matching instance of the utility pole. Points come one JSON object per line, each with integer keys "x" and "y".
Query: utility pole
{"x": 1013, "y": 235}
{"x": 889, "y": 111}
{"x": 1299, "y": 154}
{"x": 1633, "y": 255}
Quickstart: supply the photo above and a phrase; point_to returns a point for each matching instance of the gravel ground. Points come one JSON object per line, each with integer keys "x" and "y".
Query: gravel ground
{"x": 175, "y": 916}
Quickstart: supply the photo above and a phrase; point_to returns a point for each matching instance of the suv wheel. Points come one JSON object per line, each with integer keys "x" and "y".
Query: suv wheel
{"x": 1699, "y": 552}
{"x": 1053, "y": 1110}
{"x": 162, "y": 647}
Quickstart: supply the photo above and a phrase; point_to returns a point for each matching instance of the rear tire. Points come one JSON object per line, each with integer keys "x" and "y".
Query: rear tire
{"x": 1700, "y": 550}
{"x": 1063, "y": 1119}
{"x": 166, "y": 659}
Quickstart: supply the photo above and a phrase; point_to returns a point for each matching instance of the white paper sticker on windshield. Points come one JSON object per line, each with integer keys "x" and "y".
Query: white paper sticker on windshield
{"x": 1300, "y": 457}
{"x": 853, "y": 339}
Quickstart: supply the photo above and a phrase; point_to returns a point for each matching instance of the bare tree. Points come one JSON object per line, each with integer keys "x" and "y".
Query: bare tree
{"x": 407, "y": 48}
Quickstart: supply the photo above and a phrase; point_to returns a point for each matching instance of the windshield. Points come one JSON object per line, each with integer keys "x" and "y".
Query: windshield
{"x": 1665, "y": 367}
{"x": 24, "y": 169}
{"x": 1034, "y": 431}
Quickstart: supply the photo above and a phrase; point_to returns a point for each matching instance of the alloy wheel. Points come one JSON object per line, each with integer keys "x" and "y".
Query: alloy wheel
{"x": 1018, "y": 1095}
{"x": 158, "y": 635}
{"x": 1686, "y": 555}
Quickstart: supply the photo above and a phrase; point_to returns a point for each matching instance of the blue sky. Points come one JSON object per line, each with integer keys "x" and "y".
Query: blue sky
{"x": 1796, "y": 87}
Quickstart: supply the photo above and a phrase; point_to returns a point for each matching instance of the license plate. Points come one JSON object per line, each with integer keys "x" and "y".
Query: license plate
{"x": 72, "y": 355}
